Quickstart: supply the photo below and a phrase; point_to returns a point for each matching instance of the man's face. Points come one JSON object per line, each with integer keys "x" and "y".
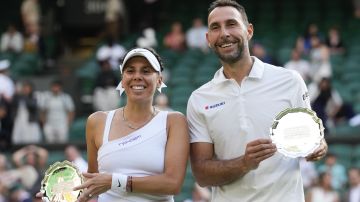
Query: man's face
{"x": 227, "y": 34}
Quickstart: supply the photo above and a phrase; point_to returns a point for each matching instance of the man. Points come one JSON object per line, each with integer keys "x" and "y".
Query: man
{"x": 58, "y": 112}
{"x": 354, "y": 180}
{"x": 230, "y": 117}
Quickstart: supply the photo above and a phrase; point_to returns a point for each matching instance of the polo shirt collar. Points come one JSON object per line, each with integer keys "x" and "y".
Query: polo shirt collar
{"x": 256, "y": 72}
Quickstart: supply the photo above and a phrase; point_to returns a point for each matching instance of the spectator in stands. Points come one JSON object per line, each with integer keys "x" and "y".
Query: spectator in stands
{"x": 162, "y": 102}
{"x": 324, "y": 192}
{"x": 334, "y": 41}
{"x": 175, "y": 39}
{"x": 356, "y": 4}
{"x": 105, "y": 96}
{"x": 259, "y": 51}
{"x": 19, "y": 194}
{"x": 73, "y": 155}
{"x": 196, "y": 36}
{"x": 229, "y": 118}
{"x": 31, "y": 14}
{"x": 7, "y": 90}
{"x": 12, "y": 40}
{"x": 328, "y": 104}
{"x": 115, "y": 50}
{"x": 26, "y": 111}
{"x": 336, "y": 170}
{"x": 148, "y": 40}
{"x": 3, "y": 192}
{"x": 300, "y": 65}
{"x": 58, "y": 112}
{"x": 5, "y": 126}
{"x": 353, "y": 194}
{"x": 7, "y": 86}
{"x": 136, "y": 129}
{"x": 319, "y": 59}
{"x": 30, "y": 164}
{"x": 115, "y": 18}
{"x": 311, "y": 31}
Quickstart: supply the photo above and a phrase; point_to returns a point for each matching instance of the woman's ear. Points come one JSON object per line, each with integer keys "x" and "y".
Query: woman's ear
{"x": 159, "y": 81}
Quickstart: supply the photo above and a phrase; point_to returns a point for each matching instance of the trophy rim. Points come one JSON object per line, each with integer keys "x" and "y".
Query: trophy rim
{"x": 284, "y": 150}
{"x": 50, "y": 171}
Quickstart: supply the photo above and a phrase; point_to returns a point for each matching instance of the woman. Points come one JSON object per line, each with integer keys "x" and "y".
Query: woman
{"x": 324, "y": 192}
{"x": 136, "y": 153}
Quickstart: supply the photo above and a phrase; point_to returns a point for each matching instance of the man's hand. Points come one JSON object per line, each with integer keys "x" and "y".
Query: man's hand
{"x": 257, "y": 151}
{"x": 319, "y": 153}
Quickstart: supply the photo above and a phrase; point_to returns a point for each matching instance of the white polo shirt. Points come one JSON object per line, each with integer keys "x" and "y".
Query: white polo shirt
{"x": 230, "y": 115}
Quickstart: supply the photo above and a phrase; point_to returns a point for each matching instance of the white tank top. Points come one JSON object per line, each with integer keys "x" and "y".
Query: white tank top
{"x": 141, "y": 153}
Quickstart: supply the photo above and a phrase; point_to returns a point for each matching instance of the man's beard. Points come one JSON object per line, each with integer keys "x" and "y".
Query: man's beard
{"x": 233, "y": 57}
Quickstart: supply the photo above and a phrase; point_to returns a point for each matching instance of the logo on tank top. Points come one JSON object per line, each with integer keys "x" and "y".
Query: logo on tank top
{"x": 207, "y": 107}
{"x": 123, "y": 143}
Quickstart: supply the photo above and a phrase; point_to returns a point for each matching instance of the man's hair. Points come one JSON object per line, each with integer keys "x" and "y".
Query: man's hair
{"x": 231, "y": 3}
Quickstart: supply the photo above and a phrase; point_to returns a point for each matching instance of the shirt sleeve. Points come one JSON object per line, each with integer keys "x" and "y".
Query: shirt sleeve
{"x": 300, "y": 97}
{"x": 197, "y": 124}
{"x": 69, "y": 103}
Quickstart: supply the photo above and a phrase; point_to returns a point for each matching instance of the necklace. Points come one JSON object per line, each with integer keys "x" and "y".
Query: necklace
{"x": 133, "y": 127}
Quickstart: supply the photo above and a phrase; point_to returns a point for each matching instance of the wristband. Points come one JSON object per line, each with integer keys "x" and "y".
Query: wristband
{"x": 119, "y": 182}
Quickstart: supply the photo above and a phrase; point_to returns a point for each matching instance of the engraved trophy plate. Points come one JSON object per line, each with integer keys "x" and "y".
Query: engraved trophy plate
{"x": 59, "y": 181}
{"x": 297, "y": 132}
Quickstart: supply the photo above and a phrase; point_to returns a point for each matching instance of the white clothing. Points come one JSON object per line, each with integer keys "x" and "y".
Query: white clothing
{"x": 15, "y": 42}
{"x": 24, "y": 131}
{"x": 114, "y": 53}
{"x": 308, "y": 172}
{"x": 81, "y": 164}
{"x": 230, "y": 115}
{"x": 320, "y": 64}
{"x": 301, "y": 66}
{"x": 196, "y": 37}
{"x": 354, "y": 194}
{"x": 106, "y": 99}
{"x": 319, "y": 195}
{"x": 7, "y": 86}
{"x": 57, "y": 108}
{"x": 139, "y": 154}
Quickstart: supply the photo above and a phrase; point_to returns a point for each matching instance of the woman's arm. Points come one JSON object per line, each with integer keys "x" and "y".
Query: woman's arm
{"x": 93, "y": 125}
{"x": 176, "y": 156}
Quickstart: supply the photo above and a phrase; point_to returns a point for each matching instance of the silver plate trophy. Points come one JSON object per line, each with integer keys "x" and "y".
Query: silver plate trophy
{"x": 59, "y": 180}
{"x": 297, "y": 132}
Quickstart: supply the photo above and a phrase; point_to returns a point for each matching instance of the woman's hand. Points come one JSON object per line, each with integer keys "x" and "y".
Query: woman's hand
{"x": 95, "y": 184}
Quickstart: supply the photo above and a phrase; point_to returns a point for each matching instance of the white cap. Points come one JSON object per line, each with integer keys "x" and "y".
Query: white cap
{"x": 143, "y": 53}
{"x": 4, "y": 64}
{"x": 104, "y": 53}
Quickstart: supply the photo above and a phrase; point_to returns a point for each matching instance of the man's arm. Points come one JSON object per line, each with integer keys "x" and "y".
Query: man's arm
{"x": 209, "y": 171}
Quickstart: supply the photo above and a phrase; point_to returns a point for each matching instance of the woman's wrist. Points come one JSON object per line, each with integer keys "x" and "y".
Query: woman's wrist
{"x": 119, "y": 182}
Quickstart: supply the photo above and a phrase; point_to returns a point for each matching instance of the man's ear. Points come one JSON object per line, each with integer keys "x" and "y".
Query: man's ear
{"x": 250, "y": 31}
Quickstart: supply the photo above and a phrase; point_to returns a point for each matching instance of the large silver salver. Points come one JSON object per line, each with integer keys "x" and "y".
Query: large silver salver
{"x": 297, "y": 132}
{"x": 59, "y": 180}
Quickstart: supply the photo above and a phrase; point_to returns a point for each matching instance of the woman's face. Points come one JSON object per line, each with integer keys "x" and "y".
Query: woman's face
{"x": 140, "y": 79}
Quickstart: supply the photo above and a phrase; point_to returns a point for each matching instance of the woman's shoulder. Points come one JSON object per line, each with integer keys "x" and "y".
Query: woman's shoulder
{"x": 175, "y": 116}
{"x": 98, "y": 116}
